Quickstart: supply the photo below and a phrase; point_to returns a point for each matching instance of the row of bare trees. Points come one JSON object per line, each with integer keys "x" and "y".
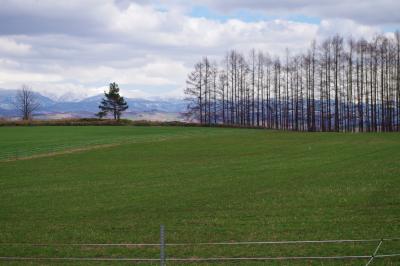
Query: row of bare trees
{"x": 337, "y": 85}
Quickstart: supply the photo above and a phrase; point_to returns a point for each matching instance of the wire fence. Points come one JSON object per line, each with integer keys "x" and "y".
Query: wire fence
{"x": 163, "y": 259}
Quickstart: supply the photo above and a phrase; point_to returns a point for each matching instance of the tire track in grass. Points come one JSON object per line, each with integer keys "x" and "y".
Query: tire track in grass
{"x": 62, "y": 152}
{"x": 89, "y": 146}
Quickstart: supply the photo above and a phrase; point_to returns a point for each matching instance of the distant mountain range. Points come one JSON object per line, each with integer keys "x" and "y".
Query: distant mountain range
{"x": 149, "y": 109}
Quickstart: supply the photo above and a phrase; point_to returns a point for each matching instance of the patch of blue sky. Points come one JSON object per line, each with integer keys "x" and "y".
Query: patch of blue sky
{"x": 390, "y": 28}
{"x": 161, "y": 8}
{"x": 244, "y": 15}
{"x": 248, "y": 15}
{"x": 304, "y": 19}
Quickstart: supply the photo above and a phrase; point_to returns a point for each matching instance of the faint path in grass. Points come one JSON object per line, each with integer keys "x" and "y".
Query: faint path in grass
{"x": 55, "y": 153}
{"x": 68, "y": 150}
{"x": 56, "y": 150}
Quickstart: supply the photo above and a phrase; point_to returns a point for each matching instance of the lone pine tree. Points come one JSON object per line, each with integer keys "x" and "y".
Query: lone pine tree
{"x": 112, "y": 102}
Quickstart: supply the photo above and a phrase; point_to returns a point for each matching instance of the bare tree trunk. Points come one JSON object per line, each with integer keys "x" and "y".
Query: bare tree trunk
{"x": 26, "y": 102}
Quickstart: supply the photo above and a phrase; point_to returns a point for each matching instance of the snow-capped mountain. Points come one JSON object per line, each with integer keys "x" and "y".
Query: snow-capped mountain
{"x": 87, "y": 107}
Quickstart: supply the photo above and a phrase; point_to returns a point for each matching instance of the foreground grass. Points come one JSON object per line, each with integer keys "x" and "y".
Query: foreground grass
{"x": 205, "y": 185}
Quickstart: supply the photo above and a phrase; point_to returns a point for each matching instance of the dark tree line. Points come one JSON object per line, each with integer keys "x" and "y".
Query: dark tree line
{"x": 337, "y": 85}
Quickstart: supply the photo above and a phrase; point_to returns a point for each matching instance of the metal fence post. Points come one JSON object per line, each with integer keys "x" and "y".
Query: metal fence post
{"x": 162, "y": 246}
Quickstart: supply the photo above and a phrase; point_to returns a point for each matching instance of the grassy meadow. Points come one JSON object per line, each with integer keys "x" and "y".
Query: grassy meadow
{"x": 99, "y": 184}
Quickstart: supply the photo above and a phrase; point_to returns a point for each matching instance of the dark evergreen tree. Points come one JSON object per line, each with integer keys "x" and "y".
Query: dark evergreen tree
{"x": 101, "y": 114}
{"x": 112, "y": 103}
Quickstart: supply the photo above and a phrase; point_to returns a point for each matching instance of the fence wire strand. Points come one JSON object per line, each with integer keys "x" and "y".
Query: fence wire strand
{"x": 206, "y": 259}
{"x": 211, "y": 243}
{"x": 210, "y": 259}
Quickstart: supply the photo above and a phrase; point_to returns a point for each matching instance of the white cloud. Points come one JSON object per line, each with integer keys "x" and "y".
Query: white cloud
{"x": 79, "y": 47}
{"x": 13, "y": 76}
{"x": 8, "y": 46}
{"x": 348, "y": 28}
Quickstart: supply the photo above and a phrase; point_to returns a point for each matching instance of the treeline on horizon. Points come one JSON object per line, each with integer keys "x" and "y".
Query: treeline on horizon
{"x": 336, "y": 85}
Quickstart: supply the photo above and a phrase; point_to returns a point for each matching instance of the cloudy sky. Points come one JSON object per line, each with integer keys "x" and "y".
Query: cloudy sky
{"x": 75, "y": 48}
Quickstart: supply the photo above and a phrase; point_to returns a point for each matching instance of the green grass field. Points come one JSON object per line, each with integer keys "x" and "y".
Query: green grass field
{"x": 204, "y": 184}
